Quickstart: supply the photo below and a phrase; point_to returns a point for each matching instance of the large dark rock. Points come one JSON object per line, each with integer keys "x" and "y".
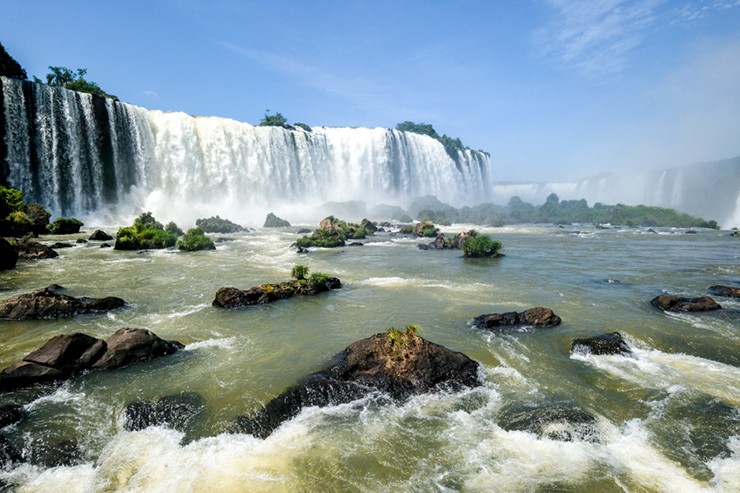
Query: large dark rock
{"x": 267, "y": 293}
{"x": 60, "y": 245}
{"x": 66, "y": 355}
{"x": 33, "y": 250}
{"x": 64, "y": 452}
{"x": 397, "y": 365}
{"x": 272, "y": 221}
{"x": 39, "y": 217}
{"x": 100, "y": 235}
{"x": 47, "y": 303}
{"x": 556, "y": 422}
{"x": 173, "y": 411}
{"x": 8, "y": 255}
{"x": 726, "y": 291}
{"x": 130, "y": 345}
{"x": 611, "y": 343}
{"x": 671, "y": 303}
{"x": 537, "y": 317}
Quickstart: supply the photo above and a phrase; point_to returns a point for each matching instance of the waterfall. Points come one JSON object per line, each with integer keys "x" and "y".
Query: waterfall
{"x": 79, "y": 154}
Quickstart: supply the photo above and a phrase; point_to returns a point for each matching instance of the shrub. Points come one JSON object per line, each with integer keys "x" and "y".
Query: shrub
{"x": 173, "y": 228}
{"x": 481, "y": 246}
{"x": 318, "y": 278}
{"x": 147, "y": 221}
{"x": 276, "y": 120}
{"x": 194, "y": 240}
{"x": 299, "y": 272}
{"x": 145, "y": 233}
{"x": 65, "y": 226}
{"x": 11, "y": 200}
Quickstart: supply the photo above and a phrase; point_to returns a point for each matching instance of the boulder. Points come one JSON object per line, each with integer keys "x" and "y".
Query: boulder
{"x": 537, "y": 317}
{"x": 8, "y": 255}
{"x": 66, "y": 355}
{"x": 60, "y": 453}
{"x": 563, "y": 422}
{"x": 39, "y": 217}
{"x": 59, "y": 244}
{"x": 33, "y": 250}
{"x": 611, "y": 343}
{"x": 267, "y": 293}
{"x": 47, "y": 303}
{"x": 129, "y": 345}
{"x": 397, "y": 364}
{"x": 173, "y": 411}
{"x": 725, "y": 291}
{"x": 671, "y": 303}
{"x": 100, "y": 235}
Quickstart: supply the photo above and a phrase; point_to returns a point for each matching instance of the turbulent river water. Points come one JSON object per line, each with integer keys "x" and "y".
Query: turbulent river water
{"x": 667, "y": 417}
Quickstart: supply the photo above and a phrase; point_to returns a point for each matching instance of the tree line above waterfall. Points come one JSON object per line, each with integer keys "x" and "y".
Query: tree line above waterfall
{"x": 58, "y": 76}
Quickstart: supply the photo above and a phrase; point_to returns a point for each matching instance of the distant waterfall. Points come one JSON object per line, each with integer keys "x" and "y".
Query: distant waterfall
{"x": 79, "y": 154}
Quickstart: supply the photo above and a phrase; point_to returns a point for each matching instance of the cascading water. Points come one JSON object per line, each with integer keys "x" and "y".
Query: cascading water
{"x": 80, "y": 154}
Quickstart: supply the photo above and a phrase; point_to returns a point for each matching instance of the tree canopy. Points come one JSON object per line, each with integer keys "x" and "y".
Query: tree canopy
{"x": 9, "y": 67}
{"x": 73, "y": 80}
{"x": 276, "y": 120}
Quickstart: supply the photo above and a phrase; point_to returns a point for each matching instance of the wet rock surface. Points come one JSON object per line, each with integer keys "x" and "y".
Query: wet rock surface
{"x": 48, "y": 303}
{"x": 536, "y": 317}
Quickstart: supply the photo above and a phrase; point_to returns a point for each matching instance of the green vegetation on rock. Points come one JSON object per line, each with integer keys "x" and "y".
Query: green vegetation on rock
{"x": 9, "y": 67}
{"x": 334, "y": 232}
{"x": 65, "y": 226}
{"x": 299, "y": 272}
{"x": 481, "y": 246}
{"x": 218, "y": 225}
{"x": 174, "y": 229}
{"x": 146, "y": 233}
{"x": 19, "y": 219}
{"x": 451, "y": 145}
{"x": 195, "y": 239}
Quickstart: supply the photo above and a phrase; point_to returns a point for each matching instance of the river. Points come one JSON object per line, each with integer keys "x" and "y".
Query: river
{"x": 667, "y": 417}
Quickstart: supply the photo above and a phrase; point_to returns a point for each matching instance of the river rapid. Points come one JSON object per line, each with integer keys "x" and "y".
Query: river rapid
{"x": 667, "y": 417}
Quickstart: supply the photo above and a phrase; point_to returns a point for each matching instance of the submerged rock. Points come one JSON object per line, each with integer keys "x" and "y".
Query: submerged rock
{"x": 66, "y": 355}
{"x": 671, "y": 303}
{"x": 10, "y": 414}
{"x": 611, "y": 343}
{"x": 59, "y": 245}
{"x": 47, "y": 303}
{"x": 555, "y": 422}
{"x": 61, "y": 453}
{"x": 394, "y": 363}
{"x": 537, "y": 317}
{"x": 9, "y": 453}
{"x": 8, "y": 255}
{"x": 174, "y": 411}
{"x": 726, "y": 291}
{"x": 267, "y": 293}
{"x": 33, "y": 250}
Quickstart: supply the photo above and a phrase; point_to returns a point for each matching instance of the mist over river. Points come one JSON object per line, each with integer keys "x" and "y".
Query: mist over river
{"x": 667, "y": 417}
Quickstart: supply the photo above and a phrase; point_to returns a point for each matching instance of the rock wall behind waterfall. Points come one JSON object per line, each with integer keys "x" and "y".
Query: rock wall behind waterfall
{"x": 81, "y": 154}
{"x": 708, "y": 190}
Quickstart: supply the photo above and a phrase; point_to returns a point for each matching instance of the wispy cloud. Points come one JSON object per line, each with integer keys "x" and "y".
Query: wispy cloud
{"x": 150, "y": 94}
{"x": 595, "y": 36}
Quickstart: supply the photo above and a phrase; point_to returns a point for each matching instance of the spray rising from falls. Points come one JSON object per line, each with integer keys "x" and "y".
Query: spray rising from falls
{"x": 80, "y": 154}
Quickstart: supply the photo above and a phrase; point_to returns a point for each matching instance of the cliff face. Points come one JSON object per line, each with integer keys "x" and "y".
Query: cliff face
{"x": 77, "y": 153}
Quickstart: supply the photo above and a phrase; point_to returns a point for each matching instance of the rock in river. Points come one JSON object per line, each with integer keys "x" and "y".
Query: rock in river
{"x": 47, "y": 303}
{"x": 611, "y": 343}
{"x": 537, "y": 317}
{"x": 671, "y": 303}
{"x": 395, "y": 363}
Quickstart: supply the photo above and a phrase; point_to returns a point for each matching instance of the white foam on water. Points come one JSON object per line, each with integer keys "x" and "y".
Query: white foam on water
{"x": 651, "y": 368}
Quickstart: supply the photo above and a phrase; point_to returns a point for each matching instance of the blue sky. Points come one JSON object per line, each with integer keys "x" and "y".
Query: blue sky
{"x": 553, "y": 89}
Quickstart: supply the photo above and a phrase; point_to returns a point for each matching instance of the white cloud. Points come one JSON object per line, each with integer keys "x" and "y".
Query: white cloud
{"x": 595, "y": 36}
{"x": 150, "y": 94}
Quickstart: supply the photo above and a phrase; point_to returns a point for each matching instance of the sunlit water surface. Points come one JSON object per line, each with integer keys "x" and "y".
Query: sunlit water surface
{"x": 668, "y": 418}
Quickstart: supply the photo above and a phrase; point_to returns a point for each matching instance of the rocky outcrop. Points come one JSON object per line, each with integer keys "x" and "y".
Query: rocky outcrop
{"x": 725, "y": 291}
{"x": 129, "y": 345}
{"x": 48, "y": 303}
{"x": 558, "y": 421}
{"x": 66, "y": 355}
{"x": 611, "y": 343}
{"x": 537, "y": 317}
{"x": 395, "y": 363}
{"x": 671, "y": 303}
{"x": 173, "y": 411}
{"x": 267, "y": 293}
{"x": 33, "y": 250}
{"x": 100, "y": 235}
{"x": 272, "y": 221}
{"x": 8, "y": 255}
